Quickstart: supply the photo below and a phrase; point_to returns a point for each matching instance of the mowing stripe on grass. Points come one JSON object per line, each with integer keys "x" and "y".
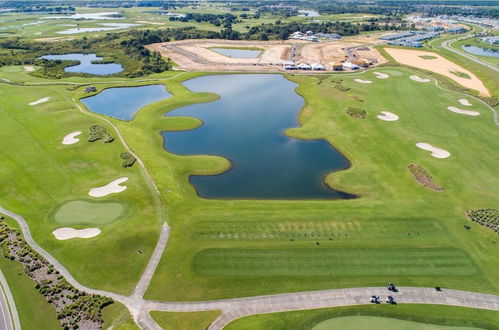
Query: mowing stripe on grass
{"x": 333, "y": 262}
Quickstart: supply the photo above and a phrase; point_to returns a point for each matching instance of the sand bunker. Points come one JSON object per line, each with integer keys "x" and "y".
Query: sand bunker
{"x": 70, "y": 138}
{"x": 388, "y": 116}
{"x": 463, "y": 112}
{"x": 438, "y": 65}
{"x": 464, "y": 102}
{"x": 380, "y": 75}
{"x": 69, "y": 233}
{"x": 419, "y": 79}
{"x": 29, "y": 68}
{"x": 435, "y": 152}
{"x": 363, "y": 81}
{"x": 112, "y": 187}
{"x": 45, "y": 99}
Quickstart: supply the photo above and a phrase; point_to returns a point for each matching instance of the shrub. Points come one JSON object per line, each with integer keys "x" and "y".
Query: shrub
{"x": 485, "y": 217}
{"x": 356, "y": 112}
{"x": 128, "y": 159}
{"x": 97, "y": 132}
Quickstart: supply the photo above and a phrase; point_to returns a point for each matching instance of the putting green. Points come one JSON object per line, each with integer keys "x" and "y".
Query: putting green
{"x": 81, "y": 212}
{"x": 374, "y": 322}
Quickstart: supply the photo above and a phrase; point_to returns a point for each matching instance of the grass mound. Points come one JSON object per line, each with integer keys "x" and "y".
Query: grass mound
{"x": 461, "y": 74}
{"x": 319, "y": 261}
{"x": 97, "y": 132}
{"x": 423, "y": 177}
{"x": 485, "y": 217}
{"x": 81, "y": 212}
{"x": 356, "y": 112}
{"x": 428, "y": 57}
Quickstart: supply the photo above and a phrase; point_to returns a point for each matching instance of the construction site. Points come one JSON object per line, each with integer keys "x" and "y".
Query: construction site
{"x": 270, "y": 56}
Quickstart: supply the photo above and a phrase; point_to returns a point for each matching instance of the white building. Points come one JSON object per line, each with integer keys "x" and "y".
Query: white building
{"x": 350, "y": 65}
{"x": 303, "y": 66}
{"x": 317, "y": 67}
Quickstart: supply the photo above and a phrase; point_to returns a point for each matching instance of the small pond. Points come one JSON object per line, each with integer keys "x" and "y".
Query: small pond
{"x": 122, "y": 103}
{"x": 481, "y": 51}
{"x": 90, "y": 16}
{"x": 309, "y": 13}
{"x": 237, "y": 53}
{"x": 103, "y": 27}
{"x": 86, "y": 65}
{"x": 246, "y": 125}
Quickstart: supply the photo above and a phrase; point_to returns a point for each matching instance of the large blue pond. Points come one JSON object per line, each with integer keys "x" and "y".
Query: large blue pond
{"x": 86, "y": 65}
{"x": 122, "y": 103}
{"x": 247, "y": 126}
{"x": 481, "y": 51}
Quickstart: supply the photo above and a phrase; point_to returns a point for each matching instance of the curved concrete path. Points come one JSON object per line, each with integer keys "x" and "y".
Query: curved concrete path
{"x": 239, "y": 307}
{"x": 448, "y": 45}
{"x": 9, "y": 319}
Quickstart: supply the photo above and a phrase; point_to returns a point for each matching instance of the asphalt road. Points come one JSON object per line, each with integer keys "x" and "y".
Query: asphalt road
{"x": 9, "y": 320}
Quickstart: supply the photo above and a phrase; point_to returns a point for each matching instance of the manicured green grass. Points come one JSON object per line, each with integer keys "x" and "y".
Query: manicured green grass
{"x": 427, "y": 314}
{"x": 116, "y": 316}
{"x": 39, "y": 174}
{"x": 185, "y": 320}
{"x": 82, "y": 212}
{"x": 392, "y": 203}
{"x": 33, "y": 310}
{"x": 374, "y": 322}
{"x": 316, "y": 262}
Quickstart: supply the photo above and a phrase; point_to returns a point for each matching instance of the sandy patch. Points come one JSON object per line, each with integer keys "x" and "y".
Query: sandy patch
{"x": 71, "y": 138}
{"x": 438, "y": 65}
{"x": 381, "y": 75}
{"x": 112, "y": 187}
{"x": 464, "y": 102}
{"x": 363, "y": 81}
{"x": 65, "y": 233}
{"x": 45, "y": 99}
{"x": 388, "y": 116}
{"x": 29, "y": 68}
{"x": 463, "y": 112}
{"x": 435, "y": 152}
{"x": 419, "y": 79}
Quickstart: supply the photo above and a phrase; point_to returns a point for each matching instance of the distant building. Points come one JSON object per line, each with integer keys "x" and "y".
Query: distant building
{"x": 289, "y": 65}
{"x": 318, "y": 67}
{"x": 491, "y": 40}
{"x": 456, "y": 30}
{"x": 303, "y": 66}
{"x": 434, "y": 28}
{"x": 350, "y": 66}
{"x": 90, "y": 89}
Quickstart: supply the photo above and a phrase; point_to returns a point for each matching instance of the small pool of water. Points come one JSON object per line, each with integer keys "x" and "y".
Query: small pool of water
{"x": 481, "y": 51}
{"x": 246, "y": 125}
{"x": 237, "y": 53}
{"x": 103, "y": 27}
{"x": 86, "y": 65}
{"x": 309, "y": 13}
{"x": 89, "y": 16}
{"x": 124, "y": 102}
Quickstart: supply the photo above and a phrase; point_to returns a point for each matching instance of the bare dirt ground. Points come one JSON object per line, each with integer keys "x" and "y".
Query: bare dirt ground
{"x": 195, "y": 55}
{"x": 438, "y": 65}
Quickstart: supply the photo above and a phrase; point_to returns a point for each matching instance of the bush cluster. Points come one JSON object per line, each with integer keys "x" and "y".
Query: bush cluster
{"x": 485, "y": 217}
{"x": 356, "y": 112}
{"x": 128, "y": 159}
{"x": 97, "y": 132}
{"x": 424, "y": 177}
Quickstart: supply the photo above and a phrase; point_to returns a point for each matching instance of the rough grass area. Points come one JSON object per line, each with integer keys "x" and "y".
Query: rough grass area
{"x": 82, "y": 212}
{"x": 428, "y": 314}
{"x": 318, "y": 261}
{"x": 184, "y": 320}
{"x": 356, "y": 112}
{"x": 428, "y": 57}
{"x": 423, "y": 177}
{"x": 461, "y": 74}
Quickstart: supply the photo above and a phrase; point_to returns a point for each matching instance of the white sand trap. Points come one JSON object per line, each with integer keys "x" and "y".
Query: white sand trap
{"x": 388, "y": 116}
{"x": 380, "y": 75}
{"x": 112, "y": 187}
{"x": 29, "y": 68}
{"x": 435, "y": 152}
{"x": 69, "y": 233}
{"x": 419, "y": 79}
{"x": 464, "y": 102}
{"x": 363, "y": 81}
{"x": 45, "y": 99}
{"x": 463, "y": 112}
{"x": 71, "y": 138}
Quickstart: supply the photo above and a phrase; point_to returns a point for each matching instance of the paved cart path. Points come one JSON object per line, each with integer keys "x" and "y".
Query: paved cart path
{"x": 239, "y": 307}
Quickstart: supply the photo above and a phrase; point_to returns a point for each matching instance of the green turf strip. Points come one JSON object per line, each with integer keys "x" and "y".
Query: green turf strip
{"x": 333, "y": 262}
{"x": 80, "y": 212}
{"x": 373, "y": 322}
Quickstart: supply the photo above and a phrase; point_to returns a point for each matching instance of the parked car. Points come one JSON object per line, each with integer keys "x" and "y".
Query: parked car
{"x": 390, "y": 300}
